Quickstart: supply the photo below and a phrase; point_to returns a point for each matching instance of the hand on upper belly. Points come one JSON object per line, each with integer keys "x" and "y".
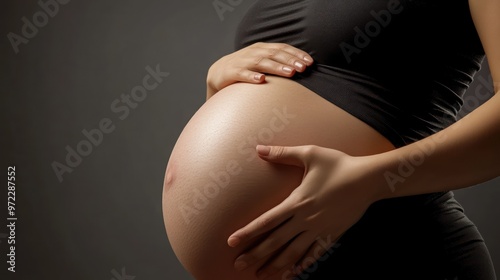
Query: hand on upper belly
{"x": 315, "y": 215}
{"x": 249, "y": 65}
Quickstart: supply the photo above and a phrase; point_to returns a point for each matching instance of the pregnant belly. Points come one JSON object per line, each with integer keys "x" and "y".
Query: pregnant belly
{"x": 215, "y": 183}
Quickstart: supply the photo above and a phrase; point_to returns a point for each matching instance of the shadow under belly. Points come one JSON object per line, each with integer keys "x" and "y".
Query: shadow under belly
{"x": 215, "y": 183}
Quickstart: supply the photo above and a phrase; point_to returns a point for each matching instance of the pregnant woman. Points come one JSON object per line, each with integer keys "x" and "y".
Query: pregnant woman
{"x": 328, "y": 145}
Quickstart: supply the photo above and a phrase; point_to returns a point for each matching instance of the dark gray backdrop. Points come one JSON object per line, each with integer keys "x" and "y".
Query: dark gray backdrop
{"x": 104, "y": 219}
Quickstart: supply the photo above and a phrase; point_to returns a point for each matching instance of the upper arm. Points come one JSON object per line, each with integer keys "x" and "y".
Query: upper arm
{"x": 485, "y": 14}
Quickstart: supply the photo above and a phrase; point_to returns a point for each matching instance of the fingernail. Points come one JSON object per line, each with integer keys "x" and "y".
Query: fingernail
{"x": 306, "y": 58}
{"x": 257, "y": 77}
{"x": 240, "y": 265}
{"x": 263, "y": 150}
{"x": 299, "y": 65}
{"x": 287, "y": 69}
{"x": 233, "y": 241}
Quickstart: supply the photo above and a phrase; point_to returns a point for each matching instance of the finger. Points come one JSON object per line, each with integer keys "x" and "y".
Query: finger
{"x": 288, "y": 257}
{"x": 320, "y": 251}
{"x": 291, "y": 155}
{"x": 248, "y": 76}
{"x": 268, "y": 65}
{"x": 285, "y": 58}
{"x": 300, "y": 54}
{"x": 272, "y": 243}
{"x": 264, "y": 223}
{"x": 273, "y": 58}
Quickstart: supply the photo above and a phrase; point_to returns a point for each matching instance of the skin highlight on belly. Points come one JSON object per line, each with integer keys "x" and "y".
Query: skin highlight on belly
{"x": 215, "y": 182}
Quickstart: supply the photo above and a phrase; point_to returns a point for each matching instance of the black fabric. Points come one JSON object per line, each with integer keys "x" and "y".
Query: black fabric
{"x": 406, "y": 79}
{"x": 417, "y": 57}
{"x": 408, "y": 238}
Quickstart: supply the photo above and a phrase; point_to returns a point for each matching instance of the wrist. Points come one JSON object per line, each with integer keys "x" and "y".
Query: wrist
{"x": 373, "y": 181}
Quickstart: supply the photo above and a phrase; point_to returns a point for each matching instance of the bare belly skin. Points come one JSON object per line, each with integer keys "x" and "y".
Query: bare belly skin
{"x": 215, "y": 183}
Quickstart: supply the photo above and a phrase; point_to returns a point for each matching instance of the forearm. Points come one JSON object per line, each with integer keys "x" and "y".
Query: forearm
{"x": 464, "y": 154}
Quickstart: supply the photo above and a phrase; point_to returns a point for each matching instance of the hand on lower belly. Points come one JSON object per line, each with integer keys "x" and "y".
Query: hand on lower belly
{"x": 315, "y": 215}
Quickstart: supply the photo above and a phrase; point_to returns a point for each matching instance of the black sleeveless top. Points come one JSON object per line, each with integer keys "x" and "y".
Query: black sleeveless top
{"x": 400, "y": 66}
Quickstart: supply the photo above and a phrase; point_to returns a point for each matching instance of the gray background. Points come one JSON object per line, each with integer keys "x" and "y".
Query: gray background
{"x": 106, "y": 215}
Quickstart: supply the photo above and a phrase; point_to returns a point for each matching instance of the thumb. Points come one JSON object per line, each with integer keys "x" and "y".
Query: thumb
{"x": 284, "y": 155}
